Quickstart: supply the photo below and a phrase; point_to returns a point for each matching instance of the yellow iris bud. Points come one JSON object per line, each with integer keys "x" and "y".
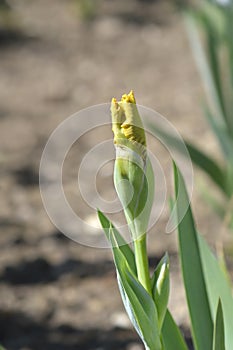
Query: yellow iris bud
{"x": 133, "y": 174}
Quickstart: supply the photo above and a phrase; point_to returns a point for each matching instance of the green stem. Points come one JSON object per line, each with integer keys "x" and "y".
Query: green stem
{"x": 142, "y": 265}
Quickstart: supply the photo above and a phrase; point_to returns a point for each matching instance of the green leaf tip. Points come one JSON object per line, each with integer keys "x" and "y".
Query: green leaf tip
{"x": 160, "y": 283}
{"x": 219, "y": 333}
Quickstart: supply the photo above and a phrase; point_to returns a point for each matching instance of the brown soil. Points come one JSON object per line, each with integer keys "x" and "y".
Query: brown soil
{"x": 55, "y": 293}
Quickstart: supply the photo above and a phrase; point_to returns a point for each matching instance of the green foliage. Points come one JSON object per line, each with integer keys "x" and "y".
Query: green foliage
{"x": 218, "y": 288}
{"x": 202, "y": 327}
{"x": 208, "y": 291}
{"x": 4, "y": 6}
{"x": 207, "y": 288}
{"x": 171, "y": 334}
{"x": 160, "y": 287}
{"x": 119, "y": 240}
{"x": 145, "y": 297}
{"x": 139, "y": 304}
{"x": 87, "y": 8}
{"x": 219, "y": 336}
{"x": 211, "y": 36}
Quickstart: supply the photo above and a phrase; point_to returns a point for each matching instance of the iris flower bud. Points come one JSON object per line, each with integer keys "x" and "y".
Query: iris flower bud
{"x": 133, "y": 174}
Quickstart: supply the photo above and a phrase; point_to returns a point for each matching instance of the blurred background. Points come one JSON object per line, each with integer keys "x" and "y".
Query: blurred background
{"x": 56, "y": 58}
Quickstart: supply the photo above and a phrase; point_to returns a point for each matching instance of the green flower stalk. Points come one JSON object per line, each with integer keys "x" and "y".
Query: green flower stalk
{"x": 133, "y": 177}
{"x": 145, "y": 298}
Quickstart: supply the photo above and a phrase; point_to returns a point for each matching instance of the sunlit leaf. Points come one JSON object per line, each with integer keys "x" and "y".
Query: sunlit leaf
{"x": 192, "y": 270}
{"x": 171, "y": 334}
{"x": 120, "y": 242}
{"x": 160, "y": 283}
{"x": 218, "y": 287}
{"x": 219, "y": 339}
{"x": 138, "y": 303}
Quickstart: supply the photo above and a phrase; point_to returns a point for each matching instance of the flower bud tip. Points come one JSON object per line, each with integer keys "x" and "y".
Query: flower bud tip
{"x": 128, "y": 98}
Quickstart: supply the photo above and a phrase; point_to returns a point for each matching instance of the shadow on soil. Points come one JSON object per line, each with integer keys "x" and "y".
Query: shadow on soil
{"x": 20, "y": 331}
{"x": 26, "y": 176}
{"x": 14, "y": 37}
{"x": 40, "y": 270}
